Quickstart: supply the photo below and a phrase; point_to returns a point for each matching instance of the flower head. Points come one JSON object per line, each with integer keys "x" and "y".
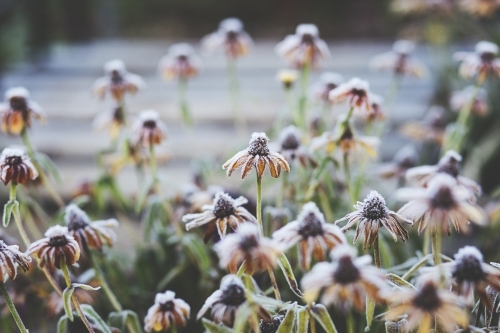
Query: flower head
{"x": 404, "y": 159}
{"x": 305, "y": 48}
{"x": 257, "y": 156}
{"x": 459, "y": 99}
{"x": 179, "y": 63}
{"x": 401, "y": 326}
{"x": 479, "y": 63}
{"x": 10, "y": 258}
{"x": 17, "y": 111}
{"x": 291, "y": 148}
{"x": 287, "y": 77}
{"x": 57, "y": 248}
{"x": 166, "y": 311}
{"x": 148, "y": 129}
{"x": 482, "y": 8}
{"x": 407, "y": 7}
{"x": 312, "y": 233}
{"x": 327, "y": 82}
{"x": 230, "y": 36}
{"x": 117, "y": 81}
{"x": 112, "y": 120}
{"x": 399, "y": 60}
{"x": 16, "y": 167}
{"x": 376, "y": 111}
{"x": 431, "y": 128}
{"x": 356, "y": 92}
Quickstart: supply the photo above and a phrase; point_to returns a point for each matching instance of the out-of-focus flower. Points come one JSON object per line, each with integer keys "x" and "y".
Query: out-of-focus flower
{"x": 287, "y": 77}
{"x": 166, "y": 312}
{"x": 404, "y": 159}
{"x": 441, "y": 205}
{"x": 399, "y": 60}
{"x": 406, "y": 7}
{"x": 312, "y": 233}
{"x": 401, "y": 326}
{"x": 112, "y": 120}
{"x": 257, "y": 156}
{"x": 461, "y": 98}
{"x": 483, "y": 8}
{"x": 148, "y": 129}
{"x": 376, "y": 112}
{"x": 356, "y": 92}
{"x": 17, "y": 111}
{"x": 10, "y": 258}
{"x": 291, "y": 149}
{"x": 223, "y": 212}
{"x": 327, "y": 82}
{"x": 259, "y": 253}
{"x": 117, "y": 81}
{"x": 431, "y": 128}
{"x": 480, "y": 63}
{"x": 347, "y": 280}
{"x": 230, "y": 36}
{"x": 305, "y": 48}
{"x": 16, "y": 167}
{"x": 370, "y": 215}
{"x": 179, "y": 63}
{"x": 56, "y": 248}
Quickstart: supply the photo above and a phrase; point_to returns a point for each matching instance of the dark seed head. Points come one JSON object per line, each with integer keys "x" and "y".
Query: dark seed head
{"x": 452, "y": 167}
{"x": 361, "y": 93}
{"x": 167, "y": 306}
{"x": 427, "y": 298}
{"x": 443, "y": 198}
{"x": 272, "y": 325}
{"x": 14, "y": 160}
{"x": 487, "y": 57}
{"x": 149, "y": 124}
{"x": 258, "y": 146}
{"x": 374, "y": 207}
{"x": 76, "y": 219}
{"x": 233, "y": 295}
{"x": 346, "y": 272}
{"x": 307, "y": 39}
{"x": 18, "y": 103}
{"x": 468, "y": 269}
{"x": 310, "y": 226}
{"x": 290, "y": 142}
{"x": 223, "y": 207}
{"x": 58, "y": 241}
{"x": 249, "y": 242}
{"x": 232, "y": 36}
{"x": 116, "y": 77}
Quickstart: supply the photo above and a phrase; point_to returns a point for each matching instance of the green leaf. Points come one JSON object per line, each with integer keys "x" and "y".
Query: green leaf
{"x": 416, "y": 267}
{"x": 48, "y": 165}
{"x": 67, "y": 294}
{"x": 370, "y": 309}
{"x": 242, "y": 315}
{"x": 92, "y": 316}
{"x": 212, "y": 327}
{"x": 399, "y": 281}
{"x": 288, "y": 322}
{"x": 123, "y": 319}
{"x": 320, "y": 313}
{"x": 170, "y": 276}
{"x": 62, "y": 324}
{"x": 198, "y": 252}
{"x": 288, "y": 272}
{"x": 85, "y": 286}
{"x": 302, "y": 320}
{"x": 7, "y": 211}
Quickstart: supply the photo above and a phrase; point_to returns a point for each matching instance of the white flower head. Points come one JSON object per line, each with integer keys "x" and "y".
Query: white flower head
{"x": 307, "y": 29}
{"x": 115, "y": 65}
{"x": 231, "y": 24}
{"x": 403, "y": 47}
{"x": 483, "y": 47}
{"x": 19, "y": 92}
{"x": 57, "y": 231}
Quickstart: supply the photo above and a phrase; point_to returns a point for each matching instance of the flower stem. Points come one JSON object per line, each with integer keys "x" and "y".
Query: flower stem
{"x": 347, "y": 176}
{"x": 187, "y": 118}
{"x": 350, "y": 323}
{"x": 12, "y": 308}
{"x": 376, "y": 253}
{"x": 312, "y": 324}
{"x": 436, "y": 245}
{"x": 304, "y": 76}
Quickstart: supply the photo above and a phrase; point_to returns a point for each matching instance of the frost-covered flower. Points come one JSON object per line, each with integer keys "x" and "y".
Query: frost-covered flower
{"x": 291, "y": 148}
{"x": 148, "y": 129}
{"x": 442, "y": 205}
{"x": 166, "y": 312}
{"x": 356, "y": 92}
{"x": 371, "y": 214}
{"x": 179, "y": 63}
{"x": 459, "y": 99}
{"x": 404, "y": 159}
{"x": 287, "y": 77}
{"x": 305, "y": 48}
{"x": 327, "y": 82}
{"x": 259, "y": 253}
{"x": 257, "y": 156}
{"x": 399, "y": 60}
{"x": 230, "y": 36}
{"x": 16, "y": 167}
{"x": 346, "y": 281}
{"x": 376, "y": 111}
{"x": 112, "y": 120}
{"x": 17, "y": 111}
{"x": 480, "y": 63}
{"x": 222, "y": 212}
{"x": 10, "y": 258}
{"x": 313, "y": 235}
{"x": 400, "y": 326}
{"x": 483, "y": 8}
{"x": 117, "y": 81}
{"x": 431, "y": 128}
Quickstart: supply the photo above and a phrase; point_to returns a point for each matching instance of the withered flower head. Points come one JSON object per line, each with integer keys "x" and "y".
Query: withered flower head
{"x": 481, "y": 8}
{"x": 376, "y": 112}
{"x": 480, "y": 63}
{"x": 148, "y": 129}
{"x": 401, "y": 326}
{"x": 16, "y": 167}
{"x": 291, "y": 149}
{"x": 246, "y": 245}
{"x": 312, "y": 233}
{"x": 399, "y": 60}
{"x": 370, "y": 215}
{"x": 287, "y": 77}
{"x": 305, "y": 48}
{"x": 404, "y": 159}
{"x": 17, "y": 111}
{"x": 117, "y": 81}
{"x": 257, "y": 156}
{"x": 272, "y": 325}
{"x": 95, "y": 234}
{"x": 179, "y": 63}
{"x": 166, "y": 312}
{"x": 327, "y": 82}
{"x": 56, "y": 248}
{"x": 112, "y": 120}
{"x": 356, "y": 92}
{"x": 346, "y": 281}
{"x": 231, "y": 37}
{"x": 431, "y": 128}
{"x": 459, "y": 99}
{"x": 426, "y": 305}
{"x": 222, "y": 212}
{"x": 10, "y": 258}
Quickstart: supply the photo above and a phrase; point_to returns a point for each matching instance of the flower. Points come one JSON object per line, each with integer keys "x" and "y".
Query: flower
{"x": 148, "y": 129}
{"x": 312, "y": 233}
{"x": 431, "y": 128}
{"x": 305, "y": 48}
{"x": 16, "y": 167}
{"x": 376, "y": 111}
{"x": 461, "y": 98}
{"x": 10, "y": 257}
{"x": 401, "y": 326}
{"x": 291, "y": 149}
{"x": 179, "y": 63}
{"x": 370, "y": 215}
{"x": 356, "y": 92}
{"x": 272, "y": 325}
{"x": 479, "y": 63}
{"x": 223, "y": 211}
{"x": 57, "y": 248}
{"x": 92, "y": 234}
{"x": 259, "y": 253}
{"x": 287, "y": 77}
{"x": 442, "y": 204}
{"x": 399, "y": 60}
{"x": 17, "y": 111}
{"x": 117, "y": 81}
{"x": 483, "y": 8}
{"x": 425, "y": 305}
{"x": 113, "y": 120}
{"x": 327, "y": 82}
{"x": 231, "y": 36}
{"x": 406, "y": 7}
{"x": 166, "y": 311}
{"x": 347, "y": 280}
{"x": 257, "y": 156}
{"x": 404, "y": 159}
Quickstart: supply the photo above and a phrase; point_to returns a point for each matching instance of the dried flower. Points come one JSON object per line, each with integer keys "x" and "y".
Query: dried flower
{"x": 401, "y": 326}
{"x": 17, "y": 111}
{"x": 117, "y": 81}
{"x": 16, "y": 167}
{"x": 376, "y": 112}
{"x": 399, "y": 60}
{"x": 356, "y": 92}
{"x": 224, "y": 210}
{"x": 482, "y": 8}
{"x": 230, "y": 36}
{"x": 95, "y": 234}
{"x": 347, "y": 280}
{"x": 291, "y": 149}
{"x": 327, "y": 82}
{"x": 56, "y": 248}
{"x": 257, "y": 156}
{"x": 259, "y": 253}
{"x": 479, "y": 63}
{"x": 272, "y": 325}
{"x": 431, "y": 128}
{"x": 112, "y": 120}
{"x": 148, "y": 129}
{"x": 287, "y": 77}
{"x": 166, "y": 311}
{"x": 10, "y": 257}
{"x": 404, "y": 159}
{"x": 305, "y": 48}
{"x": 370, "y": 215}
{"x": 179, "y": 63}
{"x": 312, "y": 233}
{"x": 459, "y": 99}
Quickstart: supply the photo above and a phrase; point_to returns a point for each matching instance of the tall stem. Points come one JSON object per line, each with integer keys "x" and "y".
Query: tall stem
{"x": 102, "y": 281}
{"x": 376, "y": 253}
{"x": 436, "y": 245}
{"x": 303, "y": 94}
{"x": 347, "y": 176}
{"x": 350, "y": 323}
{"x": 12, "y": 308}
{"x": 187, "y": 118}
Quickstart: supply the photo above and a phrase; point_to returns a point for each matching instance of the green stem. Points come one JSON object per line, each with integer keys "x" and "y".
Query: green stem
{"x": 152, "y": 161}
{"x": 427, "y": 241}
{"x": 348, "y": 117}
{"x": 173, "y": 328}
{"x": 12, "y": 308}
{"x": 27, "y": 142}
{"x": 102, "y": 281}
{"x": 436, "y": 245}
{"x": 281, "y": 196}
{"x": 347, "y": 176}
{"x": 312, "y": 324}
{"x": 350, "y": 323}
{"x": 376, "y": 253}
{"x": 303, "y": 95}
{"x": 187, "y": 118}
{"x": 315, "y": 179}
